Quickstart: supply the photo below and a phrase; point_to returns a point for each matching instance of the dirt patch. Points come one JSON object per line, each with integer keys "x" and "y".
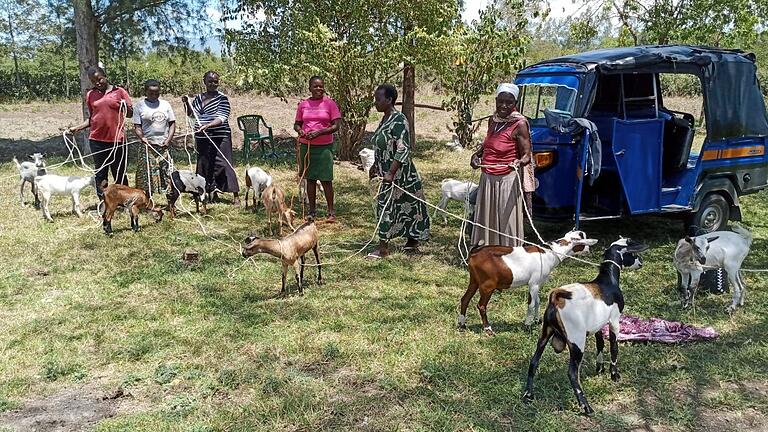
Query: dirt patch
{"x": 721, "y": 421}
{"x": 71, "y": 409}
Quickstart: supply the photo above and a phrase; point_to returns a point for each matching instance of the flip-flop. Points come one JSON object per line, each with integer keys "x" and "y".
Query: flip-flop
{"x": 331, "y": 218}
{"x": 373, "y": 255}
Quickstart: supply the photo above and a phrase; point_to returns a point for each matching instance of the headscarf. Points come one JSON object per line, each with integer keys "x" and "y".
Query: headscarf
{"x": 508, "y": 88}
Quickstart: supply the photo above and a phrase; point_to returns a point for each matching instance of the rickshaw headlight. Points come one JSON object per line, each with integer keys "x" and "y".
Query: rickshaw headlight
{"x": 544, "y": 159}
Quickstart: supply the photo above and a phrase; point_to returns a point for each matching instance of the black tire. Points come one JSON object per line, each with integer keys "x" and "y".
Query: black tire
{"x": 712, "y": 215}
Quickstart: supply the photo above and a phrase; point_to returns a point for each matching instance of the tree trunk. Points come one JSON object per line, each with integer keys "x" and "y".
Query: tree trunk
{"x": 13, "y": 50}
{"x": 350, "y": 135}
{"x": 86, "y": 30}
{"x": 409, "y": 94}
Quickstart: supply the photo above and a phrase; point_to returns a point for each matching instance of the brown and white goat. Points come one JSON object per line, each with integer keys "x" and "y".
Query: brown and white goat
{"x": 494, "y": 268}
{"x": 577, "y": 310}
{"x": 290, "y": 249}
{"x": 132, "y": 199}
{"x": 274, "y": 202}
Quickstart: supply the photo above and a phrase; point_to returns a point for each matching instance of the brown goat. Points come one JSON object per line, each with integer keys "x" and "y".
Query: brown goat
{"x": 274, "y": 202}
{"x": 135, "y": 200}
{"x": 290, "y": 249}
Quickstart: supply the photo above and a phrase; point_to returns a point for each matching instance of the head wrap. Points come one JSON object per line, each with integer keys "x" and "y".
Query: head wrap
{"x": 508, "y": 88}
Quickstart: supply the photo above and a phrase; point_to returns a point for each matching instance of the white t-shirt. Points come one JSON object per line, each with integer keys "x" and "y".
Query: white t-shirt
{"x": 154, "y": 118}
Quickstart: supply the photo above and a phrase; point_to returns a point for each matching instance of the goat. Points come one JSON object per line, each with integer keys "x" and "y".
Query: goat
{"x": 132, "y": 199}
{"x": 256, "y": 180}
{"x": 455, "y": 190}
{"x": 27, "y": 172}
{"x": 303, "y": 190}
{"x": 367, "y": 159}
{"x": 289, "y": 249}
{"x": 185, "y": 181}
{"x": 576, "y": 310}
{"x": 494, "y": 268}
{"x": 719, "y": 249}
{"x": 274, "y": 202}
{"x": 51, "y": 184}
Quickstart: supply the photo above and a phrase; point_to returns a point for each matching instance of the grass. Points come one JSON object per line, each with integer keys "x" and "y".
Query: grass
{"x": 212, "y": 346}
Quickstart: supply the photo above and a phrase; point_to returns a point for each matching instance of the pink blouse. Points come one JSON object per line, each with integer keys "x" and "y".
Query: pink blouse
{"x": 316, "y": 115}
{"x": 500, "y": 148}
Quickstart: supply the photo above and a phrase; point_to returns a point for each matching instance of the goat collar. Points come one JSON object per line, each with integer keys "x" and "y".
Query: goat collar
{"x": 613, "y": 262}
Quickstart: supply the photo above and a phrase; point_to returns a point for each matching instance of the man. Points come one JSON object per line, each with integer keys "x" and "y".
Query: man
{"x": 155, "y": 125}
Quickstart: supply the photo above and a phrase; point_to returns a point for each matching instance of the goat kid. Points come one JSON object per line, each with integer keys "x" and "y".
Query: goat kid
{"x": 185, "y": 181}
{"x": 291, "y": 250}
{"x": 27, "y": 172}
{"x": 719, "y": 249}
{"x": 132, "y": 199}
{"x": 256, "y": 180}
{"x": 455, "y": 190}
{"x": 274, "y": 202}
{"x": 303, "y": 190}
{"x": 367, "y": 159}
{"x": 50, "y": 184}
{"x": 577, "y": 310}
{"x": 493, "y": 268}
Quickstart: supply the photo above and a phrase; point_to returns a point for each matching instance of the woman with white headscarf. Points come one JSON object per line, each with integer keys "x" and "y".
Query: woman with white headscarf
{"x": 506, "y": 151}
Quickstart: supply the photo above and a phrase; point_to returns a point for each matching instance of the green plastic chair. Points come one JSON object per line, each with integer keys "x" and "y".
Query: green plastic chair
{"x": 255, "y": 129}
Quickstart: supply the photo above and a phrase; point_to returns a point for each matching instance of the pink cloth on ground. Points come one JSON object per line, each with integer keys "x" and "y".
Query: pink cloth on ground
{"x": 634, "y": 329}
{"x": 316, "y": 115}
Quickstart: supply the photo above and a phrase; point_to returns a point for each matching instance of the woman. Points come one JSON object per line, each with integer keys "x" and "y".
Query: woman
{"x": 317, "y": 118}
{"x": 108, "y": 106}
{"x": 213, "y": 138}
{"x": 505, "y": 152}
{"x": 155, "y": 125}
{"x": 401, "y": 214}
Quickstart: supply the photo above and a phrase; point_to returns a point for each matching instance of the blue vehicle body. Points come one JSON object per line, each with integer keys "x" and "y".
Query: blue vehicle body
{"x": 647, "y": 165}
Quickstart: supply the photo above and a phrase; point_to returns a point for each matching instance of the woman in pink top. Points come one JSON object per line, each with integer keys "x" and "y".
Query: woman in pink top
{"x": 505, "y": 152}
{"x": 317, "y": 118}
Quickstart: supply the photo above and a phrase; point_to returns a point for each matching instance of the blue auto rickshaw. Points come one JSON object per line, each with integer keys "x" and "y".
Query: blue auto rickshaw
{"x": 606, "y": 146}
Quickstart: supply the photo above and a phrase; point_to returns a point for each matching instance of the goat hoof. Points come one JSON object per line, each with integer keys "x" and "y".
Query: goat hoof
{"x": 730, "y": 309}
{"x": 588, "y": 411}
{"x": 462, "y": 327}
{"x": 615, "y": 376}
{"x": 489, "y": 331}
{"x": 599, "y": 369}
{"x": 527, "y": 397}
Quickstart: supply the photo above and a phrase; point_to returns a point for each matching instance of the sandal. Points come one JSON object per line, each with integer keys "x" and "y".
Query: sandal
{"x": 375, "y": 255}
{"x": 331, "y": 218}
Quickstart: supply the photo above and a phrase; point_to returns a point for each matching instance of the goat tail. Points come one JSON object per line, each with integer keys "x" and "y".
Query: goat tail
{"x": 16, "y": 161}
{"x": 740, "y": 230}
{"x": 247, "y": 177}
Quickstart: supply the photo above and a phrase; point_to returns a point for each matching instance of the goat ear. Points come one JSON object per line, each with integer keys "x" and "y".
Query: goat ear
{"x": 587, "y": 242}
{"x": 711, "y": 239}
{"x": 633, "y": 247}
{"x": 688, "y": 239}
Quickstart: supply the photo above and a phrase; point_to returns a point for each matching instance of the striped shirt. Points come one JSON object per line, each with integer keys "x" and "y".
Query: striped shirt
{"x": 217, "y": 107}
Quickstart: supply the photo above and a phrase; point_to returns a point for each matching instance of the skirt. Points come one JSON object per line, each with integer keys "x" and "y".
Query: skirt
{"x": 216, "y": 170}
{"x": 499, "y": 207}
{"x": 319, "y": 164}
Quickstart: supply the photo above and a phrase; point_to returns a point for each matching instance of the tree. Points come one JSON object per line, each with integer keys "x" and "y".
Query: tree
{"x": 17, "y": 27}
{"x": 354, "y": 44}
{"x": 122, "y": 22}
{"x": 478, "y": 57}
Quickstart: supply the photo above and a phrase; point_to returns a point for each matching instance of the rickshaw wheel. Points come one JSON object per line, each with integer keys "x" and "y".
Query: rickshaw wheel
{"x": 712, "y": 214}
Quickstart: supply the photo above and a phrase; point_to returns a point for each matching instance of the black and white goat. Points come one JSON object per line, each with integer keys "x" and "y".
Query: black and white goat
{"x": 28, "y": 170}
{"x": 185, "y": 181}
{"x": 577, "y": 310}
{"x": 719, "y": 249}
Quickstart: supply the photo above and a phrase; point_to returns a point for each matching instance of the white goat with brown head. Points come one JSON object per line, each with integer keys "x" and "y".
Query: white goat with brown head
{"x": 493, "y": 268}
{"x": 290, "y": 249}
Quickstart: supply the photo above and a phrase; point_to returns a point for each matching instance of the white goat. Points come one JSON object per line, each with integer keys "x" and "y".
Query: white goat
{"x": 256, "y": 180}
{"x": 27, "y": 172}
{"x": 719, "y": 249}
{"x": 186, "y": 181}
{"x": 494, "y": 268}
{"x": 303, "y": 190}
{"x": 51, "y": 184}
{"x": 577, "y": 310}
{"x": 367, "y": 158}
{"x": 455, "y": 190}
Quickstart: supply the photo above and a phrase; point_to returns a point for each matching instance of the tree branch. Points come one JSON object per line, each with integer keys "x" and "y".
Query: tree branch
{"x": 107, "y": 17}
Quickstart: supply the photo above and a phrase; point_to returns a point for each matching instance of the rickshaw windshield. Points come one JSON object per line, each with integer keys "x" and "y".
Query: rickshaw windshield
{"x": 536, "y": 97}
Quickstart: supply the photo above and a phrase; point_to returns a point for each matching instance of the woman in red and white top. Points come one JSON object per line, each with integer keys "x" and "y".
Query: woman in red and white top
{"x": 506, "y": 151}
{"x": 108, "y": 106}
{"x": 317, "y": 118}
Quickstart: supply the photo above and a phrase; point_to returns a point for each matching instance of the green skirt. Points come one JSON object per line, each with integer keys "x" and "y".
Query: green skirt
{"x": 319, "y": 163}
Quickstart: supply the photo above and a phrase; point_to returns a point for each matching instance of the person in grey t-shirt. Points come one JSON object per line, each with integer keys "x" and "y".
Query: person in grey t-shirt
{"x": 155, "y": 125}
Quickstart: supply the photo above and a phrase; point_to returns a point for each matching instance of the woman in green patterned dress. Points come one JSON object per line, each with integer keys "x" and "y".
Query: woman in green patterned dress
{"x": 401, "y": 214}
